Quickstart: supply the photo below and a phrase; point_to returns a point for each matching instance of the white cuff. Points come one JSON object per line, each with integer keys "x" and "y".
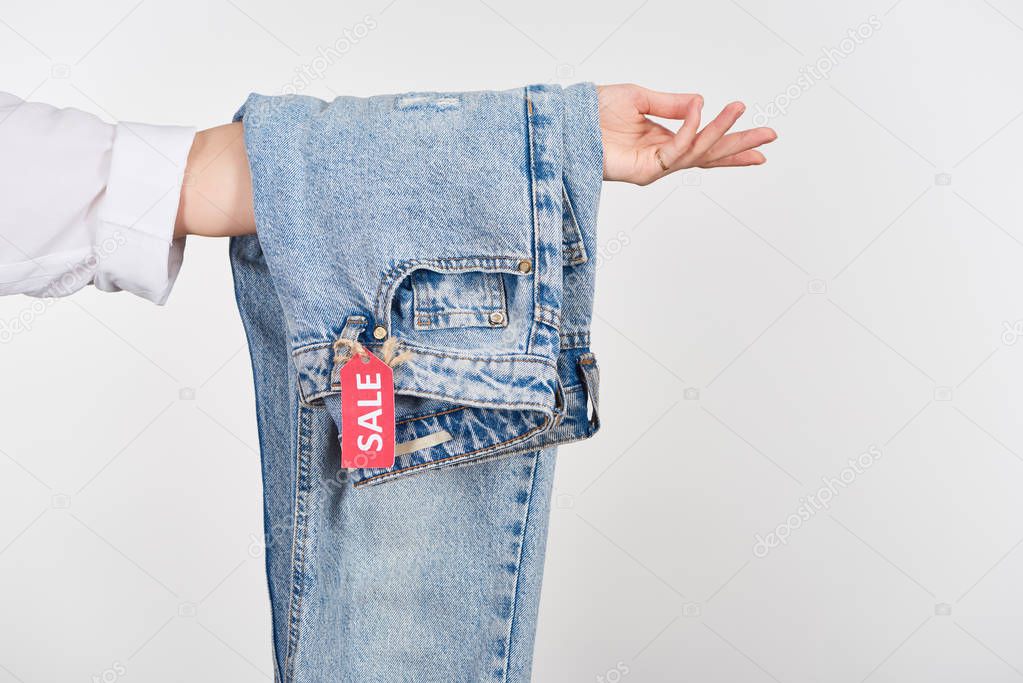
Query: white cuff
{"x": 135, "y": 248}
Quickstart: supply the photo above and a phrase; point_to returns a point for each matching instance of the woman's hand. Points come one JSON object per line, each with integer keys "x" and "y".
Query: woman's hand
{"x": 637, "y": 150}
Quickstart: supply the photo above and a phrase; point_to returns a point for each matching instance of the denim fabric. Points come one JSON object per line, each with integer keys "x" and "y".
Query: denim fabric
{"x": 461, "y": 225}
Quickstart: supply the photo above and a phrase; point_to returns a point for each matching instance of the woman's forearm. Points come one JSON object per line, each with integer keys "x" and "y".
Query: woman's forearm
{"x": 216, "y": 195}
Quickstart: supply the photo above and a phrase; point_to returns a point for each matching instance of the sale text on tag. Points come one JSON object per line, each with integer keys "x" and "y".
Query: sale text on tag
{"x": 367, "y": 412}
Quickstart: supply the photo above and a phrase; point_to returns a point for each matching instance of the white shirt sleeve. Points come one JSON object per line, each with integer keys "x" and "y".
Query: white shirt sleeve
{"x": 87, "y": 202}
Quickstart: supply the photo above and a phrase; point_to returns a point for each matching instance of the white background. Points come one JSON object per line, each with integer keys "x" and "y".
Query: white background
{"x": 756, "y": 329}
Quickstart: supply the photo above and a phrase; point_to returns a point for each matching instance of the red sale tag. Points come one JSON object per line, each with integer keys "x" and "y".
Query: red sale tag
{"x": 367, "y": 413}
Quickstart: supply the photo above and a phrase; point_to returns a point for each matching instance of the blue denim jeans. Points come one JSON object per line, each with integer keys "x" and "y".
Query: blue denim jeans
{"x": 461, "y": 225}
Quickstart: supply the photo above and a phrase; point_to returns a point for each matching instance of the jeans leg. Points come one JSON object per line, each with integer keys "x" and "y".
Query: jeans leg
{"x": 433, "y": 577}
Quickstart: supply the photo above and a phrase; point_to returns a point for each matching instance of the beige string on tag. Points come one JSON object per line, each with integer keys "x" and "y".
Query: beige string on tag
{"x": 388, "y": 352}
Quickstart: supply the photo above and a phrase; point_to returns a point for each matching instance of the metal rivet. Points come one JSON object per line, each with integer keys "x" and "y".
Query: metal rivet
{"x": 380, "y": 332}
{"x": 496, "y": 318}
{"x": 525, "y": 265}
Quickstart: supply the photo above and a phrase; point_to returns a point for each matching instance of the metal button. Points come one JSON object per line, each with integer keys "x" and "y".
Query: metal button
{"x": 380, "y": 332}
{"x": 525, "y": 265}
{"x": 496, "y": 318}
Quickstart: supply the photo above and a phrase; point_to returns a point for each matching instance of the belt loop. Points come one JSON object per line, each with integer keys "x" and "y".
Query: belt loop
{"x": 355, "y": 325}
{"x": 590, "y": 375}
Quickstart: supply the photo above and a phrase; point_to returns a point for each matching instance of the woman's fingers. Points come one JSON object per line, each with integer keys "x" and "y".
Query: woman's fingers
{"x": 640, "y": 150}
{"x": 734, "y": 143}
{"x": 670, "y": 154}
{"x": 663, "y": 104}
{"x": 714, "y": 131}
{"x": 711, "y": 147}
{"x": 750, "y": 157}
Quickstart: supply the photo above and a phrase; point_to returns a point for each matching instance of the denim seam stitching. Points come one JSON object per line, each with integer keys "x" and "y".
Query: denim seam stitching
{"x": 288, "y": 652}
{"x": 518, "y": 569}
{"x": 480, "y": 404}
{"x": 515, "y": 358}
{"x": 532, "y": 447}
{"x": 503, "y": 358}
{"x": 490, "y": 308}
{"x": 438, "y": 413}
{"x": 547, "y": 315}
{"x": 474, "y": 403}
{"x": 384, "y": 476}
{"x": 299, "y": 537}
{"x": 575, "y": 340}
{"x": 551, "y": 365}
{"x": 530, "y": 144}
{"x": 575, "y": 253}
